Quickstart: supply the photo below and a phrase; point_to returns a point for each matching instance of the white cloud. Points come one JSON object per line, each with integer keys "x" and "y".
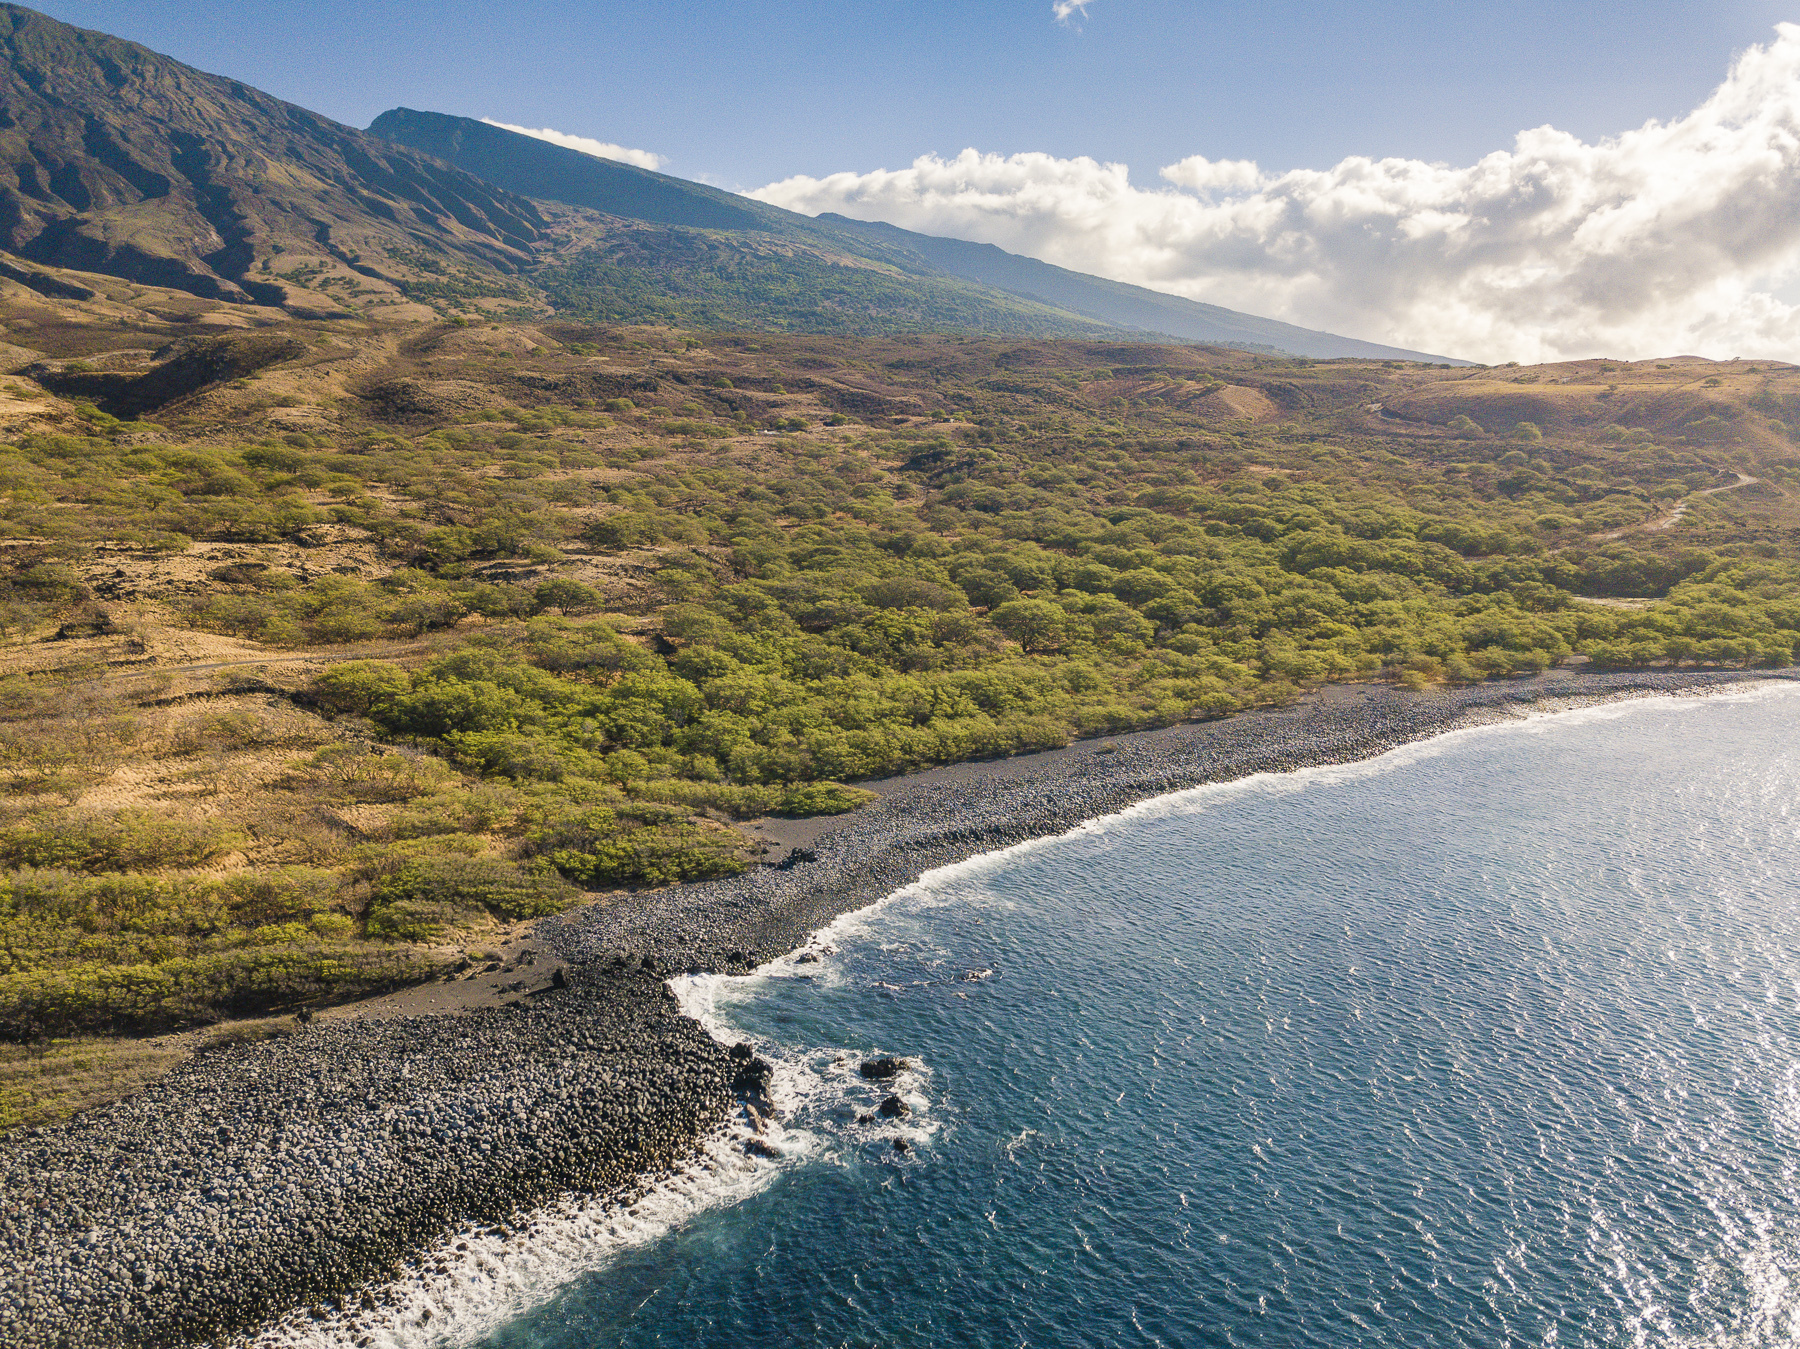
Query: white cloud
{"x": 644, "y": 159}
{"x": 1671, "y": 238}
{"x": 1066, "y": 10}
{"x": 1215, "y": 175}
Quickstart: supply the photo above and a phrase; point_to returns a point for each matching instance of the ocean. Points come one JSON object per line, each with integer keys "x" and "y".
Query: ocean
{"x": 1492, "y": 1040}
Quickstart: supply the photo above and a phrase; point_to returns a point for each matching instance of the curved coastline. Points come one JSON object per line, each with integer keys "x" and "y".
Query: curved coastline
{"x": 261, "y": 1178}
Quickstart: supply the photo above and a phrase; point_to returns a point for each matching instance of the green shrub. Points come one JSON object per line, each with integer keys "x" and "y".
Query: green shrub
{"x": 1036, "y": 625}
{"x": 87, "y": 998}
{"x": 822, "y": 798}
{"x": 429, "y": 897}
{"x": 739, "y": 802}
{"x": 569, "y": 596}
{"x": 359, "y": 686}
{"x": 120, "y": 841}
{"x": 748, "y": 802}
{"x": 657, "y": 855}
{"x": 704, "y": 430}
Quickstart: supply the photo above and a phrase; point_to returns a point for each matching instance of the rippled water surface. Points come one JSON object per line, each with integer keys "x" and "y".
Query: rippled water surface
{"x": 1493, "y": 1040}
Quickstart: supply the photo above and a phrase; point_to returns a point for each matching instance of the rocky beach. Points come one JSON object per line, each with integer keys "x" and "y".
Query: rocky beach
{"x": 307, "y": 1170}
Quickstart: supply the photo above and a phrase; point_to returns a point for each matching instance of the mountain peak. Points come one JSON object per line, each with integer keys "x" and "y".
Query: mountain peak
{"x": 116, "y": 159}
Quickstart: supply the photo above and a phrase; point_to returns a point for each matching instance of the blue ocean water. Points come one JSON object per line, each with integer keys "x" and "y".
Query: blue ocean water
{"x": 1494, "y": 1040}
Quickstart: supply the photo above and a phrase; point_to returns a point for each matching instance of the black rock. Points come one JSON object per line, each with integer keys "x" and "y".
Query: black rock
{"x": 754, "y": 1077}
{"x": 880, "y": 1070}
{"x": 893, "y": 1107}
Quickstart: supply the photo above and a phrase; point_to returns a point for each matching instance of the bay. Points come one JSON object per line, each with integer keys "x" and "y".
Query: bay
{"x": 1492, "y": 1040}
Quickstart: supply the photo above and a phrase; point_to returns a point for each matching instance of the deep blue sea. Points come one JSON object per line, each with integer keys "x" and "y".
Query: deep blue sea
{"x": 1493, "y": 1040}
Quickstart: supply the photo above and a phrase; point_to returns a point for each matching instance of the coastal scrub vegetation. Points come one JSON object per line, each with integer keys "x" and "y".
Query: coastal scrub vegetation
{"x": 535, "y": 613}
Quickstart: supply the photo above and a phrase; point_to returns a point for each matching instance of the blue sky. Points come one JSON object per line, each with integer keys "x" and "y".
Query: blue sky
{"x": 741, "y": 94}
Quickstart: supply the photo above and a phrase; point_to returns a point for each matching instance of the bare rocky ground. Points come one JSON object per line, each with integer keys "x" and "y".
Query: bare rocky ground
{"x": 300, "y": 1170}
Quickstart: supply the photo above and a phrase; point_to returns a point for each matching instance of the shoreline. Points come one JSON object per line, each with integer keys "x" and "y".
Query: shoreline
{"x": 262, "y": 1178}
{"x": 940, "y": 816}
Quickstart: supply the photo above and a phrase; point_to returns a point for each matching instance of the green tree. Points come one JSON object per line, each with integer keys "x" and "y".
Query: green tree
{"x": 1036, "y": 625}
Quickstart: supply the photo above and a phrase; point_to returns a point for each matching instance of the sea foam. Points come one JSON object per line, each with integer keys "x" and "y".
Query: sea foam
{"x": 473, "y": 1281}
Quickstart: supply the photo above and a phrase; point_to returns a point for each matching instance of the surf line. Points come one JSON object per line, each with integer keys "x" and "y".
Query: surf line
{"x": 1536, "y": 719}
{"x": 475, "y": 1280}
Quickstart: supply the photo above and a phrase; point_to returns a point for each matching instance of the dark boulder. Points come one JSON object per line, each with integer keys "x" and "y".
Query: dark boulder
{"x": 893, "y": 1107}
{"x": 880, "y": 1070}
{"x": 754, "y": 1077}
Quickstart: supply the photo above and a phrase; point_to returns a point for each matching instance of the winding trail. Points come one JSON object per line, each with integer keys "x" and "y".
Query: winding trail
{"x": 1673, "y": 518}
{"x": 1681, "y": 507}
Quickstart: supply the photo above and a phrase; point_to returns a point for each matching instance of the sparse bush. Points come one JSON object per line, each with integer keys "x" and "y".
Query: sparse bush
{"x": 428, "y": 898}
{"x": 569, "y": 596}
{"x": 360, "y": 686}
{"x": 353, "y": 772}
{"x": 119, "y": 841}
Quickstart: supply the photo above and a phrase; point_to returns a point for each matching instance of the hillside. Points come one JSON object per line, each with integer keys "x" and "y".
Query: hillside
{"x": 120, "y": 161}
{"x": 333, "y": 651}
{"x": 728, "y": 261}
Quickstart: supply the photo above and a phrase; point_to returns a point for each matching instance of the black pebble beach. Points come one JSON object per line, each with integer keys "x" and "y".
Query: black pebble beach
{"x": 260, "y": 1178}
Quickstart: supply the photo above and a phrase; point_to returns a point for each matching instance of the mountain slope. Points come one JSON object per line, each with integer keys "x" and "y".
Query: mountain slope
{"x": 536, "y": 168}
{"x": 631, "y": 272}
{"x": 1116, "y": 302}
{"x": 666, "y": 250}
{"x": 118, "y": 160}
{"x": 1079, "y": 305}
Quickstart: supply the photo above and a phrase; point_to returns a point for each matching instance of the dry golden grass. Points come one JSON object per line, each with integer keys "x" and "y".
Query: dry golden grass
{"x": 40, "y": 1084}
{"x": 50, "y": 1081}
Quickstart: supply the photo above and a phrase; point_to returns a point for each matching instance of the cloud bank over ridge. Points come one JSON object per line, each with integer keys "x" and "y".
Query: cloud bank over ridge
{"x": 1671, "y": 238}
{"x": 644, "y": 159}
